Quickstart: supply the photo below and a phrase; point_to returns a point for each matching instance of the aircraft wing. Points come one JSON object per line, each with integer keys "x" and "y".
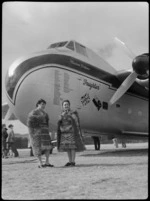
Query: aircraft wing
{"x": 134, "y": 134}
{"x": 124, "y": 134}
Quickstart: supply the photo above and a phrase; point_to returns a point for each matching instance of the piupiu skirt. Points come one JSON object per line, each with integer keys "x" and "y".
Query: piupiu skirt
{"x": 40, "y": 140}
{"x": 67, "y": 141}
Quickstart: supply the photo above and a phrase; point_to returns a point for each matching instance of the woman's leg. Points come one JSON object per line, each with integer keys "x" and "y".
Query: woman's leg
{"x": 40, "y": 160}
{"x": 69, "y": 156}
{"x": 73, "y": 155}
{"x": 47, "y": 153}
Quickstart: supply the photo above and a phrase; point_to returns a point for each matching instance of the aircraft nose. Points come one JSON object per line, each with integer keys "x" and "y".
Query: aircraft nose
{"x": 14, "y": 73}
{"x": 12, "y": 77}
{"x": 20, "y": 68}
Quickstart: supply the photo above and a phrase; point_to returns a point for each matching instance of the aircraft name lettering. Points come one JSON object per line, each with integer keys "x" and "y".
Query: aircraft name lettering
{"x": 85, "y": 99}
{"x": 74, "y": 62}
{"x": 78, "y": 64}
{"x": 91, "y": 85}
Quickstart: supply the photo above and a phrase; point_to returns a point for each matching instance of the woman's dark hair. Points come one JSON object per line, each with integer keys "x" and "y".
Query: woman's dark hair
{"x": 40, "y": 101}
{"x": 65, "y": 101}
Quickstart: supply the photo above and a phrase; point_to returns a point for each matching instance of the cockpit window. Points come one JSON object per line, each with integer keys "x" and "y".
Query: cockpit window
{"x": 54, "y": 45}
{"x": 70, "y": 45}
{"x": 80, "y": 49}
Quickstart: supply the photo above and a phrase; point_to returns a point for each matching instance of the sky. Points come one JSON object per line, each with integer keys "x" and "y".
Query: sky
{"x": 29, "y": 27}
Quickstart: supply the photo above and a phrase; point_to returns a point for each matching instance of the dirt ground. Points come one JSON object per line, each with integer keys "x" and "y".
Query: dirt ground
{"x": 110, "y": 173}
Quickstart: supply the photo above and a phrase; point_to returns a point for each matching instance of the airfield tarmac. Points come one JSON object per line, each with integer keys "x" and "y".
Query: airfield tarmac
{"x": 111, "y": 173}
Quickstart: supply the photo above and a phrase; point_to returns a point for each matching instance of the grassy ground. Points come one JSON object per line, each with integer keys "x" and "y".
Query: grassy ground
{"x": 106, "y": 174}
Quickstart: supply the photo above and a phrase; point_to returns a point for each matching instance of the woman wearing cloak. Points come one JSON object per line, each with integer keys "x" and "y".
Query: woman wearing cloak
{"x": 69, "y": 137}
{"x": 38, "y": 126}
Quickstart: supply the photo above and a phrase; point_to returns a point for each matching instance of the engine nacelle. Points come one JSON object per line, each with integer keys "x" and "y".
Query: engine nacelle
{"x": 140, "y": 65}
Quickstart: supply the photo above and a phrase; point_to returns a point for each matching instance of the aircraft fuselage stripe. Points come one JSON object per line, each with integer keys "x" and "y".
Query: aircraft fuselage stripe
{"x": 64, "y": 68}
{"x": 58, "y": 59}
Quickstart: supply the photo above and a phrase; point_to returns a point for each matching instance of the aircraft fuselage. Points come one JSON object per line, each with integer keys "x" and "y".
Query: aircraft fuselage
{"x": 58, "y": 76}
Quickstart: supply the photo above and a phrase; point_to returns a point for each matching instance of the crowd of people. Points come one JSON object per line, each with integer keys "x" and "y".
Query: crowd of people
{"x": 69, "y": 136}
{"x": 8, "y": 142}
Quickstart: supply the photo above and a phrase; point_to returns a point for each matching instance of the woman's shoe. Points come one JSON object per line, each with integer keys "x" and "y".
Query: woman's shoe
{"x": 68, "y": 164}
{"x": 72, "y": 163}
{"x": 48, "y": 165}
{"x": 41, "y": 166}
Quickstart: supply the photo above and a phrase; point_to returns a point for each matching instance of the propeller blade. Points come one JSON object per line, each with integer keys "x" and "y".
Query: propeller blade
{"x": 123, "y": 87}
{"x": 125, "y": 48}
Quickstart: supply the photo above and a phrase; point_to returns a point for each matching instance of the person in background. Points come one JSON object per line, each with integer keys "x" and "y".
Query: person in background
{"x": 123, "y": 143}
{"x": 11, "y": 141}
{"x": 38, "y": 126}
{"x": 96, "y": 142}
{"x": 69, "y": 137}
{"x": 4, "y": 137}
{"x": 115, "y": 141}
